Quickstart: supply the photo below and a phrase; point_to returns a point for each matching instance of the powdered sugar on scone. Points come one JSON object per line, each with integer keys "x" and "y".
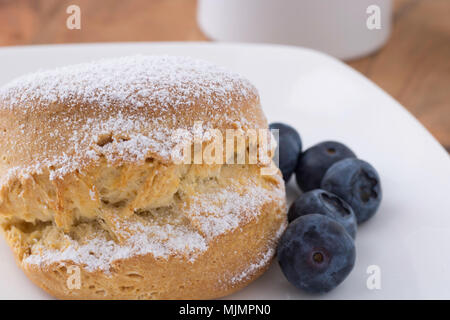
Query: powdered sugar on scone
{"x": 163, "y": 81}
{"x": 91, "y": 176}
{"x": 140, "y": 98}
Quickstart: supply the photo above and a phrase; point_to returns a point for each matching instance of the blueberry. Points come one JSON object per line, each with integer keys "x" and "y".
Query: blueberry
{"x": 315, "y": 161}
{"x": 315, "y": 253}
{"x": 324, "y": 202}
{"x": 358, "y": 183}
{"x": 288, "y": 150}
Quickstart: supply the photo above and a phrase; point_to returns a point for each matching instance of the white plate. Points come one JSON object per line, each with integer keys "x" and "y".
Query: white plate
{"x": 408, "y": 239}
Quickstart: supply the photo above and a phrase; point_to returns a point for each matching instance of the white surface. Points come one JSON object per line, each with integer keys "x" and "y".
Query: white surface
{"x": 326, "y": 25}
{"x": 409, "y": 238}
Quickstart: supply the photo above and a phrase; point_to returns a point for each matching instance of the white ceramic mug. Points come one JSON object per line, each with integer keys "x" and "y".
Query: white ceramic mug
{"x": 343, "y": 28}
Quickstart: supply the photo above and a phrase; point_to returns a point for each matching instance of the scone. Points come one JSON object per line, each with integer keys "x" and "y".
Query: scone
{"x": 98, "y": 202}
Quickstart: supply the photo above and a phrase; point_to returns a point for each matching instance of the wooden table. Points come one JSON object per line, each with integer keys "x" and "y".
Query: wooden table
{"x": 414, "y": 66}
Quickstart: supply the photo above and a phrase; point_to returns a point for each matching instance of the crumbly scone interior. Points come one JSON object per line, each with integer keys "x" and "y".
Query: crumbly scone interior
{"x": 176, "y": 208}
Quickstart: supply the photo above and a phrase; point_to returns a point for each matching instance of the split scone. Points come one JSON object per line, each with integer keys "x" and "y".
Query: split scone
{"x": 93, "y": 183}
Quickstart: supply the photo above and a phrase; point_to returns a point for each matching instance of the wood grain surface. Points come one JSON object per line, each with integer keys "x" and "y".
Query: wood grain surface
{"x": 414, "y": 66}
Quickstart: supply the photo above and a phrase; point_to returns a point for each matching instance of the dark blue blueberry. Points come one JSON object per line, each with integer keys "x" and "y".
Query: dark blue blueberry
{"x": 315, "y": 253}
{"x": 288, "y": 150}
{"x": 324, "y": 202}
{"x": 358, "y": 183}
{"x": 315, "y": 161}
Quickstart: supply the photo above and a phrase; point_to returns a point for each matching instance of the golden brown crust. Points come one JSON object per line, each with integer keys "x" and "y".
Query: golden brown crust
{"x": 42, "y": 125}
{"x": 231, "y": 262}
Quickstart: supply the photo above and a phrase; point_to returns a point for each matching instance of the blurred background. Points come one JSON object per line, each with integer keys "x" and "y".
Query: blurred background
{"x": 412, "y": 65}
